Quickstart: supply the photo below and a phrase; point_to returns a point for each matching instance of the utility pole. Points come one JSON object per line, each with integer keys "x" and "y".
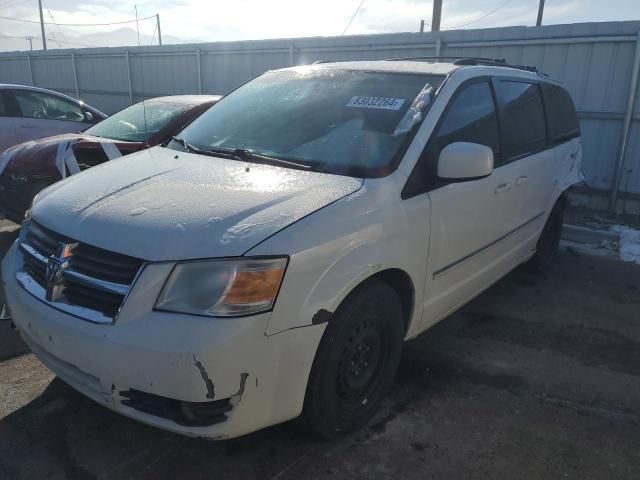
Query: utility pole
{"x": 421, "y": 26}
{"x": 44, "y": 38}
{"x": 159, "y": 31}
{"x": 437, "y": 14}
{"x": 30, "y": 39}
{"x": 540, "y": 12}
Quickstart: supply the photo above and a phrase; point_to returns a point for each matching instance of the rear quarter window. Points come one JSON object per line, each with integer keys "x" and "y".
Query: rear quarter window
{"x": 561, "y": 113}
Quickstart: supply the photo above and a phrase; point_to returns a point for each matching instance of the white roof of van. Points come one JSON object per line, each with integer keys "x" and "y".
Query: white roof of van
{"x": 417, "y": 66}
{"x": 400, "y": 66}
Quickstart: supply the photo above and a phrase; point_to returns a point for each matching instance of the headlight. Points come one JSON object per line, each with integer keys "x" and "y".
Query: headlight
{"x": 223, "y": 288}
{"x": 27, "y": 213}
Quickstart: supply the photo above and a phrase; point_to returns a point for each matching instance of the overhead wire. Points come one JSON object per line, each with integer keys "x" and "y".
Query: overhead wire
{"x": 154, "y": 34}
{"x": 57, "y": 26}
{"x": 77, "y": 24}
{"x": 26, "y": 37}
{"x": 481, "y": 17}
{"x": 13, "y": 3}
{"x": 352, "y": 17}
{"x": 67, "y": 42}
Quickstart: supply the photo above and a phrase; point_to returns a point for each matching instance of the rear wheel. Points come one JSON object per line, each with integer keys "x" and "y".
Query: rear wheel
{"x": 356, "y": 361}
{"x": 549, "y": 241}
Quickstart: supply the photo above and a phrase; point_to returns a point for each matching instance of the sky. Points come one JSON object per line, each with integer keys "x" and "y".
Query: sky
{"x": 221, "y": 20}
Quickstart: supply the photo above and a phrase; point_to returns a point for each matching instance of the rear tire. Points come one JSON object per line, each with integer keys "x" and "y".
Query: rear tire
{"x": 549, "y": 241}
{"x": 356, "y": 361}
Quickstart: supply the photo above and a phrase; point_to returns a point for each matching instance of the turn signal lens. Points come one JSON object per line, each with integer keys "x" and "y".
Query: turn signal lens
{"x": 254, "y": 287}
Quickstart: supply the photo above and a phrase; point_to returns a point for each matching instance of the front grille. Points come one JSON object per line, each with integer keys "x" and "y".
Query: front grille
{"x": 105, "y": 265}
{"x": 92, "y": 278}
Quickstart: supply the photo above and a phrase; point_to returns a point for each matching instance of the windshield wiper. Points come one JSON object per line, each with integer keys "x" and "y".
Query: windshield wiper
{"x": 241, "y": 154}
{"x": 249, "y": 156}
{"x": 186, "y": 145}
{"x": 218, "y": 152}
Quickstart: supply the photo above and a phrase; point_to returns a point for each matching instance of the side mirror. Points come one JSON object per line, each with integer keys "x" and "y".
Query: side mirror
{"x": 465, "y": 161}
{"x": 88, "y": 116}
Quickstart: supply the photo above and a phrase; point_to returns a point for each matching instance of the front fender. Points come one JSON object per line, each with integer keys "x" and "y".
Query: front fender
{"x": 335, "y": 249}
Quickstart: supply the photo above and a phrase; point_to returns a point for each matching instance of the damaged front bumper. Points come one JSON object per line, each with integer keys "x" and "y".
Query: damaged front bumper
{"x": 198, "y": 376}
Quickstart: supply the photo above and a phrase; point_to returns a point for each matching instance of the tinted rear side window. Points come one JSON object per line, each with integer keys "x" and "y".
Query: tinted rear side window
{"x": 523, "y": 122}
{"x": 3, "y": 107}
{"x": 561, "y": 113}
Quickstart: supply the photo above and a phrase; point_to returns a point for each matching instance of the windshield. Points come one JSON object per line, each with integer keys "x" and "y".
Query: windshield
{"x": 337, "y": 121}
{"x": 138, "y": 122}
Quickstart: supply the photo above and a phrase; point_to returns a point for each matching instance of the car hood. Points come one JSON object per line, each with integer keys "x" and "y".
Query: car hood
{"x": 38, "y": 157}
{"x": 159, "y": 204}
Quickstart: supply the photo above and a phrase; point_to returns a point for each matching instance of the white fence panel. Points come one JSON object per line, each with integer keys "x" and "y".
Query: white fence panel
{"x": 593, "y": 60}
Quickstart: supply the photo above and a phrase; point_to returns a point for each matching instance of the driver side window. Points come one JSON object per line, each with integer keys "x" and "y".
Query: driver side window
{"x": 48, "y": 107}
{"x": 469, "y": 117}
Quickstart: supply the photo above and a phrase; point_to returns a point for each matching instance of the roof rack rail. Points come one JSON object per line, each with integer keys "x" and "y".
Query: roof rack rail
{"x": 445, "y": 57}
{"x": 460, "y": 60}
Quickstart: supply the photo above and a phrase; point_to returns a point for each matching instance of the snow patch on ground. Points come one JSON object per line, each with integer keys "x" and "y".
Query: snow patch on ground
{"x": 629, "y": 247}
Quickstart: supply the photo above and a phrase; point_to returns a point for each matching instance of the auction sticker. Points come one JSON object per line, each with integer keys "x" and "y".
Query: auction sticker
{"x": 384, "y": 103}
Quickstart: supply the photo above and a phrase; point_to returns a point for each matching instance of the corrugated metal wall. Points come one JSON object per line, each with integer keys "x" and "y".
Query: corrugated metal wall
{"x": 593, "y": 60}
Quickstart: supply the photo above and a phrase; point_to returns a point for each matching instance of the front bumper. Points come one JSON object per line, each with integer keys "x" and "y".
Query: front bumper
{"x": 180, "y": 357}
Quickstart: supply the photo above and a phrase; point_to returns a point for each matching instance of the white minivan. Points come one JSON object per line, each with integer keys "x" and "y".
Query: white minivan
{"x": 270, "y": 260}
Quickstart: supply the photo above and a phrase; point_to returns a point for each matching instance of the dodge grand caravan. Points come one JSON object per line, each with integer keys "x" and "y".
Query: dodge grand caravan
{"x": 270, "y": 260}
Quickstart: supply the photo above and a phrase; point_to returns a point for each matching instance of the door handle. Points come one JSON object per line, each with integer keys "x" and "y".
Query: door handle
{"x": 503, "y": 187}
{"x": 28, "y": 126}
{"x": 521, "y": 180}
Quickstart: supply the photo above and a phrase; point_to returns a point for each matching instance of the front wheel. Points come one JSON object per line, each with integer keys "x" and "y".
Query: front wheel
{"x": 356, "y": 361}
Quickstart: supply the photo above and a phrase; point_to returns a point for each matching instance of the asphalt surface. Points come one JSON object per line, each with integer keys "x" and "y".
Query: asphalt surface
{"x": 537, "y": 378}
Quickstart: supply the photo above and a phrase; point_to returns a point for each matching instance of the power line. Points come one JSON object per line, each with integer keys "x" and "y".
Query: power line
{"x": 76, "y": 24}
{"x": 13, "y": 3}
{"x": 352, "y": 17}
{"x": 26, "y": 37}
{"x": 154, "y": 34}
{"x": 54, "y": 39}
{"x": 67, "y": 42}
{"x": 57, "y": 26}
{"x": 481, "y": 17}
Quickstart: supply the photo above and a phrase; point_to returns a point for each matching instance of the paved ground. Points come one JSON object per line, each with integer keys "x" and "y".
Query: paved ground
{"x": 539, "y": 378}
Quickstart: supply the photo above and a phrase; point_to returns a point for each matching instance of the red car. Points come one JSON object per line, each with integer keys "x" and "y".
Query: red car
{"x": 29, "y": 167}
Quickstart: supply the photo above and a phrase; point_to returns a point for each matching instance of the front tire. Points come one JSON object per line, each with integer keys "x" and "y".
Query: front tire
{"x": 356, "y": 361}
